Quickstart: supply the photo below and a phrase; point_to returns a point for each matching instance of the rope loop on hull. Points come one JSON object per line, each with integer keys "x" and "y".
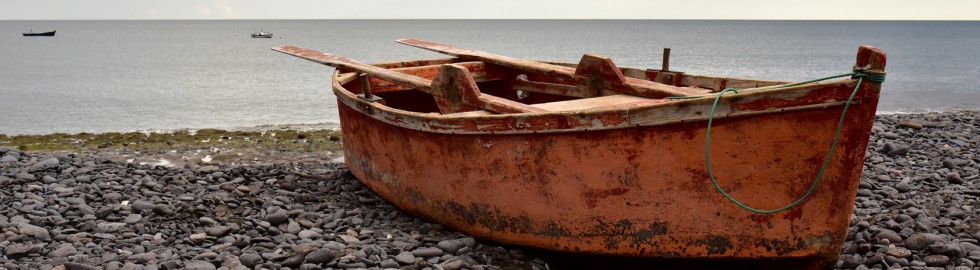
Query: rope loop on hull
{"x": 860, "y": 74}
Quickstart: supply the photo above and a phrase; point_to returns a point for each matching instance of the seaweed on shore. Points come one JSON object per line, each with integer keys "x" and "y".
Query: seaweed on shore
{"x": 282, "y": 139}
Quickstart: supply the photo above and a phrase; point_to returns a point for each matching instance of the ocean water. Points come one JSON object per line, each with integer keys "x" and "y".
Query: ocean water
{"x": 101, "y": 76}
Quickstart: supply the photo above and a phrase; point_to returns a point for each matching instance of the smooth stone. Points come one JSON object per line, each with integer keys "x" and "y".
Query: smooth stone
{"x": 133, "y": 218}
{"x": 453, "y": 264}
{"x": 19, "y": 249}
{"x": 936, "y": 260}
{"x": 6, "y": 159}
{"x": 920, "y": 241}
{"x": 78, "y": 266}
{"x": 63, "y": 251}
{"x": 143, "y": 257}
{"x": 218, "y": 231}
{"x": 198, "y": 237}
{"x": 889, "y": 235}
{"x": 293, "y": 261}
{"x": 306, "y": 248}
{"x": 405, "y": 257}
{"x": 351, "y": 265}
{"x": 898, "y": 252}
{"x": 44, "y": 165}
{"x": 34, "y": 231}
{"x": 967, "y": 247}
{"x": 851, "y": 261}
{"x": 321, "y": 256}
{"x": 207, "y": 221}
{"x": 308, "y": 234}
{"x": 309, "y": 266}
{"x": 199, "y": 265}
{"x": 250, "y": 260}
{"x": 450, "y": 246}
{"x": 894, "y": 149}
{"x": 141, "y": 205}
{"x": 428, "y": 252}
{"x": 276, "y": 218}
{"x": 389, "y": 264}
{"x": 910, "y": 124}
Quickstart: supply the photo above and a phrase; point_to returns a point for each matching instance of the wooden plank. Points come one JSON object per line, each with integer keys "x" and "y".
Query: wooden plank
{"x": 480, "y": 71}
{"x": 547, "y": 88}
{"x": 564, "y": 75}
{"x": 347, "y": 63}
{"x": 482, "y": 101}
{"x": 472, "y": 113}
{"x": 597, "y": 102}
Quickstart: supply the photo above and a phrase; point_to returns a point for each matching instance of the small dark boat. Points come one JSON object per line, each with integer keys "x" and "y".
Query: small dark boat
{"x": 42, "y": 34}
{"x": 262, "y": 34}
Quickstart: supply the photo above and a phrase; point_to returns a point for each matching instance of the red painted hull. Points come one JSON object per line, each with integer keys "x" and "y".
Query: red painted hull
{"x": 624, "y": 179}
{"x": 640, "y": 191}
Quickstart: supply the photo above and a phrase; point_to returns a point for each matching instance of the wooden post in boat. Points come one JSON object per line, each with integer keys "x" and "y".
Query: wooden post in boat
{"x": 455, "y": 89}
{"x": 871, "y": 61}
{"x": 666, "y": 64}
{"x": 595, "y": 73}
{"x": 366, "y": 89}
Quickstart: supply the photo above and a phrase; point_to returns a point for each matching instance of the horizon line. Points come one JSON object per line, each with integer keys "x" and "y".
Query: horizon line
{"x": 503, "y": 19}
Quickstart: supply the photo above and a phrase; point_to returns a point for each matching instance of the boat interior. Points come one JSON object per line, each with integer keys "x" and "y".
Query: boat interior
{"x": 476, "y": 83}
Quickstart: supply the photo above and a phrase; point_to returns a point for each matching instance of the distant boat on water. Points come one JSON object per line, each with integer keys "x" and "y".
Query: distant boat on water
{"x": 262, "y": 34}
{"x": 42, "y": 34}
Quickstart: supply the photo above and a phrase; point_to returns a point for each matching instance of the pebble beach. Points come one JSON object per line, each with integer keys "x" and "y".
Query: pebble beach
{"x": 917, "y": 208}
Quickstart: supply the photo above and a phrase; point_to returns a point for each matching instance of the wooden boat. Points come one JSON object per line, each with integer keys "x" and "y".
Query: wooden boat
{"x": 592, "y": 158}
{"x": 262, "y": 34}
{"x": 42, "y": 34}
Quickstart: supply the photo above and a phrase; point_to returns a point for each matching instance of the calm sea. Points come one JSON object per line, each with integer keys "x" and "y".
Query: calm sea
{"x": 99, "y": 76}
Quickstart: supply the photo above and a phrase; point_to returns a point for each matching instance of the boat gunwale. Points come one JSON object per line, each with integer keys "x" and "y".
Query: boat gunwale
{"x": 440, "y": 123}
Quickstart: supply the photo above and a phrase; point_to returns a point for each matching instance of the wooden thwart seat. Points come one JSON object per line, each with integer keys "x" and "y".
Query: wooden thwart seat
{"x": 592, "y": 73}
{"x": 596, "y": 80}
{"x": 451, "y": 78}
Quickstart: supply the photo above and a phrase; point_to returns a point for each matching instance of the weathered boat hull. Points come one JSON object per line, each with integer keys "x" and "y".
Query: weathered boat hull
{"x": 621, "y": 176}
{"x": 640, "y": 191}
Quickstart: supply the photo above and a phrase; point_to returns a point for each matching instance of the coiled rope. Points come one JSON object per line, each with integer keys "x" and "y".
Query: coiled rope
{"x": 860, "y": 74}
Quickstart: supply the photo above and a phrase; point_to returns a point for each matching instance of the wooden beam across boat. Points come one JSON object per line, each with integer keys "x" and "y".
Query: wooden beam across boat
{"x": 593, "y": 71}
{"x": 455, "y": 90}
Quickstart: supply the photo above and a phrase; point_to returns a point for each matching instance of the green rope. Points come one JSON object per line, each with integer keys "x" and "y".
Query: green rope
{"x": 707, "y": 141}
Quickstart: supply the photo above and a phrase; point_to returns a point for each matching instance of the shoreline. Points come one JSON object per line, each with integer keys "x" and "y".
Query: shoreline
{"x": 284, "y": 202}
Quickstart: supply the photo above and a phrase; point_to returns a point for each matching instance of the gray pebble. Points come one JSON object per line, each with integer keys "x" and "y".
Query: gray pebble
{"x": 276, "y": 218}
{"x": 133, "y": 218}
{"x": 321, "y": 256}
{"x": 218, "y": 231}
{"x": 45, "y": 165}
{"x": 141, "y": 205}
{"x": 428, "y": 252}
{"x": 34, "y": 231}
{"x": 936, "y": 260}
{"x": 405, "y": 258}
{"x": 920, "y": 241}
{"x": 79, "y": 266}
{"x": 250, "y": 259}
{"x": 199, "y": 265}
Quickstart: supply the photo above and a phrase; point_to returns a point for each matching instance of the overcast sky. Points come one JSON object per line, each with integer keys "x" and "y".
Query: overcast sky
{"x": 489, "y": 9}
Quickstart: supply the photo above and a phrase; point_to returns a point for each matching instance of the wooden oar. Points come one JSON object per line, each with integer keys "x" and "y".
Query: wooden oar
{"x": 455, "y": 90}
{"x": 594, "y": 72}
